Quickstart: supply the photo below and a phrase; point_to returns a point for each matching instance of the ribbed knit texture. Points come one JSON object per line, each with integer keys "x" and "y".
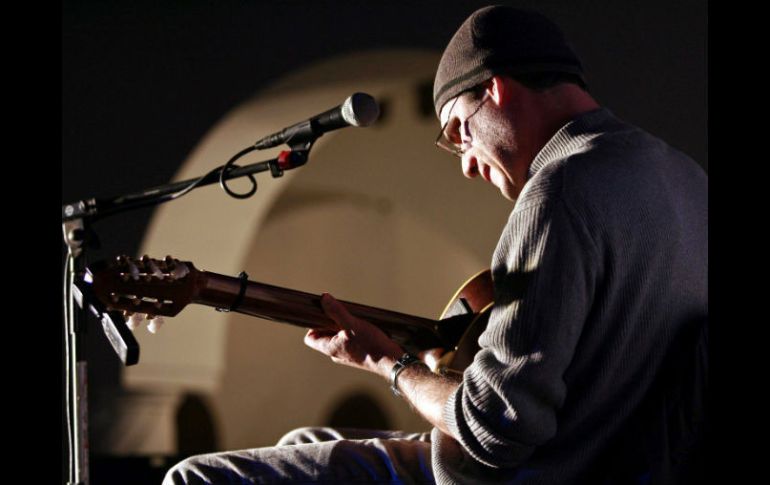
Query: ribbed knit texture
{"x": 501, "y": 40}
{"x": 601, "y": 266}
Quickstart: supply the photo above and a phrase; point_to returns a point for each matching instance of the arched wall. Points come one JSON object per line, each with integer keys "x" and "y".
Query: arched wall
{"x": 378, "y": 216}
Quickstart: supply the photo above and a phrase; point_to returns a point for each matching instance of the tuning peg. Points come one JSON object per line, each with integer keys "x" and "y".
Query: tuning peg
{"x": 168, "y": 266}
{"x": 133, "y": 270}
{"x": 180, "y": 271}
{"x": 153, "y": 268}
{"x": 155, "y": 323}
{"x": 146, "y": 261}
{"x": 134, "y": 320}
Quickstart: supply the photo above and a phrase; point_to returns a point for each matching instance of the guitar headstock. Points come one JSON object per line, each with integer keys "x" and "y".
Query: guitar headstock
{"x": 146, "y": 285}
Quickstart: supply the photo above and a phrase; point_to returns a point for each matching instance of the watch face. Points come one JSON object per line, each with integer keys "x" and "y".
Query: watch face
{"x": 407, "y": 359}
{"x": 400, "y": 364}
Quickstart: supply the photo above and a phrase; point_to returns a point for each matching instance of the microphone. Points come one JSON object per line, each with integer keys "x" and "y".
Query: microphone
{"x": 360, "y": 109}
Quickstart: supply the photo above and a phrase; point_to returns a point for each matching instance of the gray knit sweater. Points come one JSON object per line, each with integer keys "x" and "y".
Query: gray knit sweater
{"x": 602, "y": 264}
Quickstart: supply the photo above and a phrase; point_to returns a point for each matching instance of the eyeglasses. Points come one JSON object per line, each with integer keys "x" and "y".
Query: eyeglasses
{"x": 442, "y": 141}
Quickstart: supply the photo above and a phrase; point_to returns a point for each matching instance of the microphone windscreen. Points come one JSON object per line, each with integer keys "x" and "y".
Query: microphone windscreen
{"x": 360, "y": 110}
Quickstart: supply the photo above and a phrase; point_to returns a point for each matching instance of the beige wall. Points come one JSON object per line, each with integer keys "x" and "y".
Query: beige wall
{"x": 378, "y": 216}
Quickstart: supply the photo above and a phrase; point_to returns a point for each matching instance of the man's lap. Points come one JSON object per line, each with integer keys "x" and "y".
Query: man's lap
{"x": 317, "y": 455}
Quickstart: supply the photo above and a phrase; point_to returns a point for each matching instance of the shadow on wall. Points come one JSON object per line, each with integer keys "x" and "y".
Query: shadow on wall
{"x": 196, "y": 431}
{"x": 358, "y": 410}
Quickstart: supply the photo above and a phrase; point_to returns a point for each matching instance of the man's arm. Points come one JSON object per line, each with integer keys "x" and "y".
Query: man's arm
{"x": 360, "y": 344}
{"x": 428, "y": 392}
{"x": 546, "y": 266}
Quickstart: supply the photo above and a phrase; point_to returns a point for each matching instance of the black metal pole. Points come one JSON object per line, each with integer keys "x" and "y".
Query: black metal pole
{"x": 94, "y": 209}
{"x": 76, "y": 221}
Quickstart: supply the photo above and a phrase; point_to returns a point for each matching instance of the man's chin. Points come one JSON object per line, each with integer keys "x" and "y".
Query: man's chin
{"x": 509, "y": 192}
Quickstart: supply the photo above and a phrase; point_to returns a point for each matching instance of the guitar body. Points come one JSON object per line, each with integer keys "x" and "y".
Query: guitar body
{"x": 165, "y": 287}
{"x": 475, "y": 299}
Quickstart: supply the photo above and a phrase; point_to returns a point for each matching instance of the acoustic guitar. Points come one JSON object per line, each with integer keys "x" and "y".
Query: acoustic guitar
{"x": 164, "y": 287}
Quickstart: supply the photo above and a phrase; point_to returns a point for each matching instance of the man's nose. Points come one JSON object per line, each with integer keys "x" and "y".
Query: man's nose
{"x": 465, "y": 134}
{"x": 470, "y": 166}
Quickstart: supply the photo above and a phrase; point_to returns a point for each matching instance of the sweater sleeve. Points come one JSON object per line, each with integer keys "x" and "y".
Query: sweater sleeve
{"x": 544, "y": 270}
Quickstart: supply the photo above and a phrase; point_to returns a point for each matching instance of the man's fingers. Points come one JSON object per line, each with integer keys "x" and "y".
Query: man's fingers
{"x": 316, "y": 334}
{"x": 312, "y": 339}
{"x": 322, "y": 340}
{"x": 336, "y": 311}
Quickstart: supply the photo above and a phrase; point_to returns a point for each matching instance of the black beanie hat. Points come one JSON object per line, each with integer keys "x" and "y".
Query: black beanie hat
{"x": 501, "y": 40}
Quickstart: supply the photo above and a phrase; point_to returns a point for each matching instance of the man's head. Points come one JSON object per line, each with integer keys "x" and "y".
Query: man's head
{"x": 506, "y": 82}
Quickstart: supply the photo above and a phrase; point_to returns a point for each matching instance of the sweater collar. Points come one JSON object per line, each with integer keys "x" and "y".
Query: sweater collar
{"x": 569, "y": 138}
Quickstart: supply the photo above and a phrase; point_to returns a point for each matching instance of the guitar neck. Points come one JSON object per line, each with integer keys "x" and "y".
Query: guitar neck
{"x": 304, "y": 310}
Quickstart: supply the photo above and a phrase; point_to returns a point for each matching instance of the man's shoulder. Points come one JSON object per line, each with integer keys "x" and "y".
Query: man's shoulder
{"x": 619, "y": 177}
{"x": 614, "y": 164}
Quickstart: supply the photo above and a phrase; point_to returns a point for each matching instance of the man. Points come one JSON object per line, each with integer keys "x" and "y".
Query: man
{"x": 600, "y": 281}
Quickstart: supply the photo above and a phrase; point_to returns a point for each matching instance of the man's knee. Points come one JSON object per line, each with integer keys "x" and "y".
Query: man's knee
{"x": 222, "y": 467}
{"x": 186, "y": 471}
{"x": 309, "y": 434}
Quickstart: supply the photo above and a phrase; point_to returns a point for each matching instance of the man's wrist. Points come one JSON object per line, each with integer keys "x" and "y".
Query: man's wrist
{"x": 386, "y": 363}
{"x": 405, "y": 361}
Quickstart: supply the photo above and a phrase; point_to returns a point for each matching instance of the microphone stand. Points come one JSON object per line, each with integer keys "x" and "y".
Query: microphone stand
{"x": 95, "y": 209}
{"x": 77, "y": 219}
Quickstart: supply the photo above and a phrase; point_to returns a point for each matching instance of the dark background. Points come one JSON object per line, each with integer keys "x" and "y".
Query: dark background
{"x": 143, "y": 82}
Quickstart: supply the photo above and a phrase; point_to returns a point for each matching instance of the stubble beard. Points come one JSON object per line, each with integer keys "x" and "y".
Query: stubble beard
{"x": 501, "y": 146}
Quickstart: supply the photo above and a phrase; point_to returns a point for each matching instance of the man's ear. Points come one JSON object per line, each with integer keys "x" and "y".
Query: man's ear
{"x": 499, "y": 89}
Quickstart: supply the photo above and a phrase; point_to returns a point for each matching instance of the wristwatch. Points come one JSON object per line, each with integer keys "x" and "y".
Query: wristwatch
{"x": 405, "y": 361}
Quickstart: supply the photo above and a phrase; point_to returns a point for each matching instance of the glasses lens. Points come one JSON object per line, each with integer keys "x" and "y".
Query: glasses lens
{"x": 445, "y": 144}
{"x": 442, "y": 141}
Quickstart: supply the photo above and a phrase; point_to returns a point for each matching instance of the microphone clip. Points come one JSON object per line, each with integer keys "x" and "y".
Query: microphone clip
{"x": 289, "y": 159}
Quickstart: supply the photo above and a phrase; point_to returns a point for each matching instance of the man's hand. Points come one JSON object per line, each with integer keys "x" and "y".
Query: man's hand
{"x": 357, "y": 343}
